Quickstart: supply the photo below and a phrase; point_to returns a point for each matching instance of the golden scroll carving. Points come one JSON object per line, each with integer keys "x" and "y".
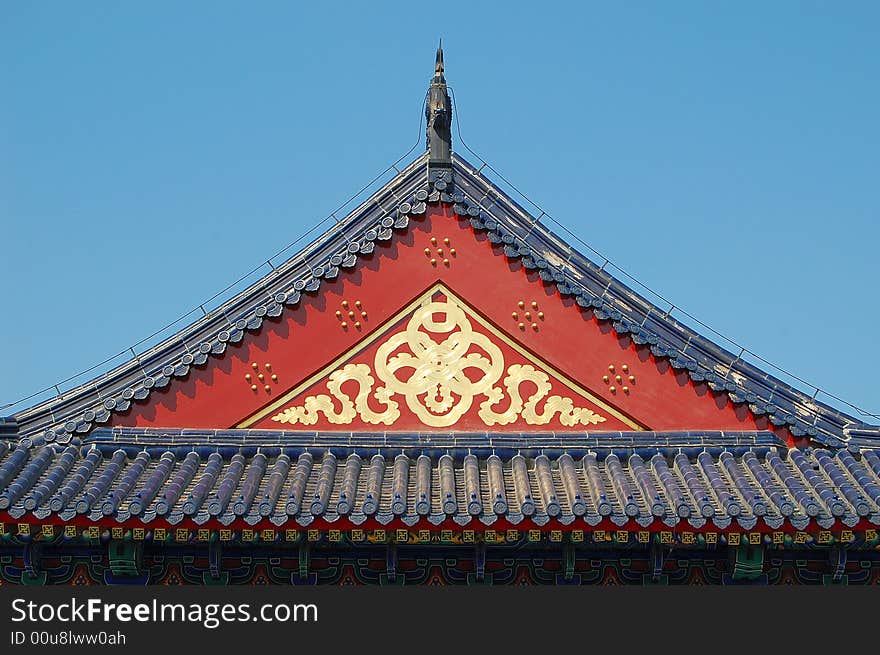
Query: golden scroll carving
{"x": 439, "y": 365}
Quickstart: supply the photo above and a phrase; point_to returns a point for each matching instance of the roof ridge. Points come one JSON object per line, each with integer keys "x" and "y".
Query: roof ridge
{"x": 336, "y": 248}
{"x": 611, "y": 299}
{"x": 478, "y": 200}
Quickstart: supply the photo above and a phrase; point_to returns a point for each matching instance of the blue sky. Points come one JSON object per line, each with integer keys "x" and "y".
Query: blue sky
{"x": 726, "y": 154}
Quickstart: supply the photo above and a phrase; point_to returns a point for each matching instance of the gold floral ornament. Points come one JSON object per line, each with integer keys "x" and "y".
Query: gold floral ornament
{"x": 440, "y": 365}
{"x": 569, "y": 415}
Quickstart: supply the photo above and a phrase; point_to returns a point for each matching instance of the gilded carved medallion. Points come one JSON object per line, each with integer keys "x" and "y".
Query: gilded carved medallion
{"x": 439, "y": 366}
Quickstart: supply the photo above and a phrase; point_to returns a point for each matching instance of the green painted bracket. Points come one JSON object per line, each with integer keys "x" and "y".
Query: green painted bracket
{"x": 38, "y": 580}
{"x": 125, "y": 558}
{"x": 748, "y": 563}
{"x": 568, "y": 562}
{"x": 304, "y": 560}
{"x": 221, "y": 580}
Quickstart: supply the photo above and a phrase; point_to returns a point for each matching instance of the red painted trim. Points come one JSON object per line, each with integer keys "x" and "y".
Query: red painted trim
{"x": 423, "y": 524}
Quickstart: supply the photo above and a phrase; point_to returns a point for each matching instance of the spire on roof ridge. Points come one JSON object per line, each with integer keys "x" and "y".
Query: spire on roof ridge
{"x": 438, "y": 64}
{"x": 438, "y": 113}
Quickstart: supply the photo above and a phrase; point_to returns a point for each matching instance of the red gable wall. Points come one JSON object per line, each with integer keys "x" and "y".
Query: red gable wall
{"x": 304, "y": 339}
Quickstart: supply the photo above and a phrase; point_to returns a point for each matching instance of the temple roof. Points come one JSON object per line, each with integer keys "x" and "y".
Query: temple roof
{"x": 631, "y": 480}
{"x": 386, "y": 216}
{"x": 71, "y": 458}
{"x": 439, "y": 181}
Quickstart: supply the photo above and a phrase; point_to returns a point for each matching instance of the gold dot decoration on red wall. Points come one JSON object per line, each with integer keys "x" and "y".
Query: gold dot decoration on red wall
{"x": 261, "y": 377}
{"x": 351, "y": 315}
{"x": 620, "y": 379}
{"x": 528, "y": 315}
{"x": 440, "y": 253}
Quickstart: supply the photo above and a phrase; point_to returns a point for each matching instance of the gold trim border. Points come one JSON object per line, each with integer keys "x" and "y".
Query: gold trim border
{"x": 777, "y": 539}
{"x": 473, "y": 314}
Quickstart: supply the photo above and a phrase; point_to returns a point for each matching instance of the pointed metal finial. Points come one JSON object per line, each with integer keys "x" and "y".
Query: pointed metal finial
{"x": 438, "y": 65}
{"x": 438, "y": 112}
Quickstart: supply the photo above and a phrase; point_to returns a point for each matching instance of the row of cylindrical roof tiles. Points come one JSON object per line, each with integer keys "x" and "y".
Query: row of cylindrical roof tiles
{"x": 775, "y": 486}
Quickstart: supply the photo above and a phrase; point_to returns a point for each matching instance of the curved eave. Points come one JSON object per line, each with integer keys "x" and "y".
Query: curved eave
{"x": 522, "y": 237}
{"x": 340, "y": 248}
{"x": 537, "y": 247}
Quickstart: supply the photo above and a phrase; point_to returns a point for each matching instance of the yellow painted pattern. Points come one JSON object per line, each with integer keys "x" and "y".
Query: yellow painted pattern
{"x": 439, "y": 379}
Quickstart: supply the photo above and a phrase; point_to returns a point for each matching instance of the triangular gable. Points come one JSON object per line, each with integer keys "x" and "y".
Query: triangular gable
{"x": 439, "y": 364}
{"x": 685, "y": 381}
{"x": 294, "y": 353}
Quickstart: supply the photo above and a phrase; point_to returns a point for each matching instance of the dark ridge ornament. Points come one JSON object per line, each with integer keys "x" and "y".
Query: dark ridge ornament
{"x": 438, "y": 114}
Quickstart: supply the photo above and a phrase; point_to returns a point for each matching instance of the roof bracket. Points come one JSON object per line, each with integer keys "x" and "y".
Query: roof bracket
{"x": 304, "y": 561}
{"x": 214, "y": 559}
{"x": 391, "y": 562}
{"x": 480, "y": 562}
{"x": 438, "y": 114}
{"x": 837, "y": 561}
{"x": 568, "y": 561}
{"x": 658, "y": 557}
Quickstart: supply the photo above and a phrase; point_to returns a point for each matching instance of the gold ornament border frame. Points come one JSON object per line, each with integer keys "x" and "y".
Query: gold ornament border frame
{"x": 383, "y": 330}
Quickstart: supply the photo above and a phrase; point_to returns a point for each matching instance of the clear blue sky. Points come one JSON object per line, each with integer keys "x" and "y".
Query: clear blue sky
{"x": 728, "y": 154}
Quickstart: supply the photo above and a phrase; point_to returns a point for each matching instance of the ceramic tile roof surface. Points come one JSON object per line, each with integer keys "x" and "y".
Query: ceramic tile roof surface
{"x": 648, "y": 480}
